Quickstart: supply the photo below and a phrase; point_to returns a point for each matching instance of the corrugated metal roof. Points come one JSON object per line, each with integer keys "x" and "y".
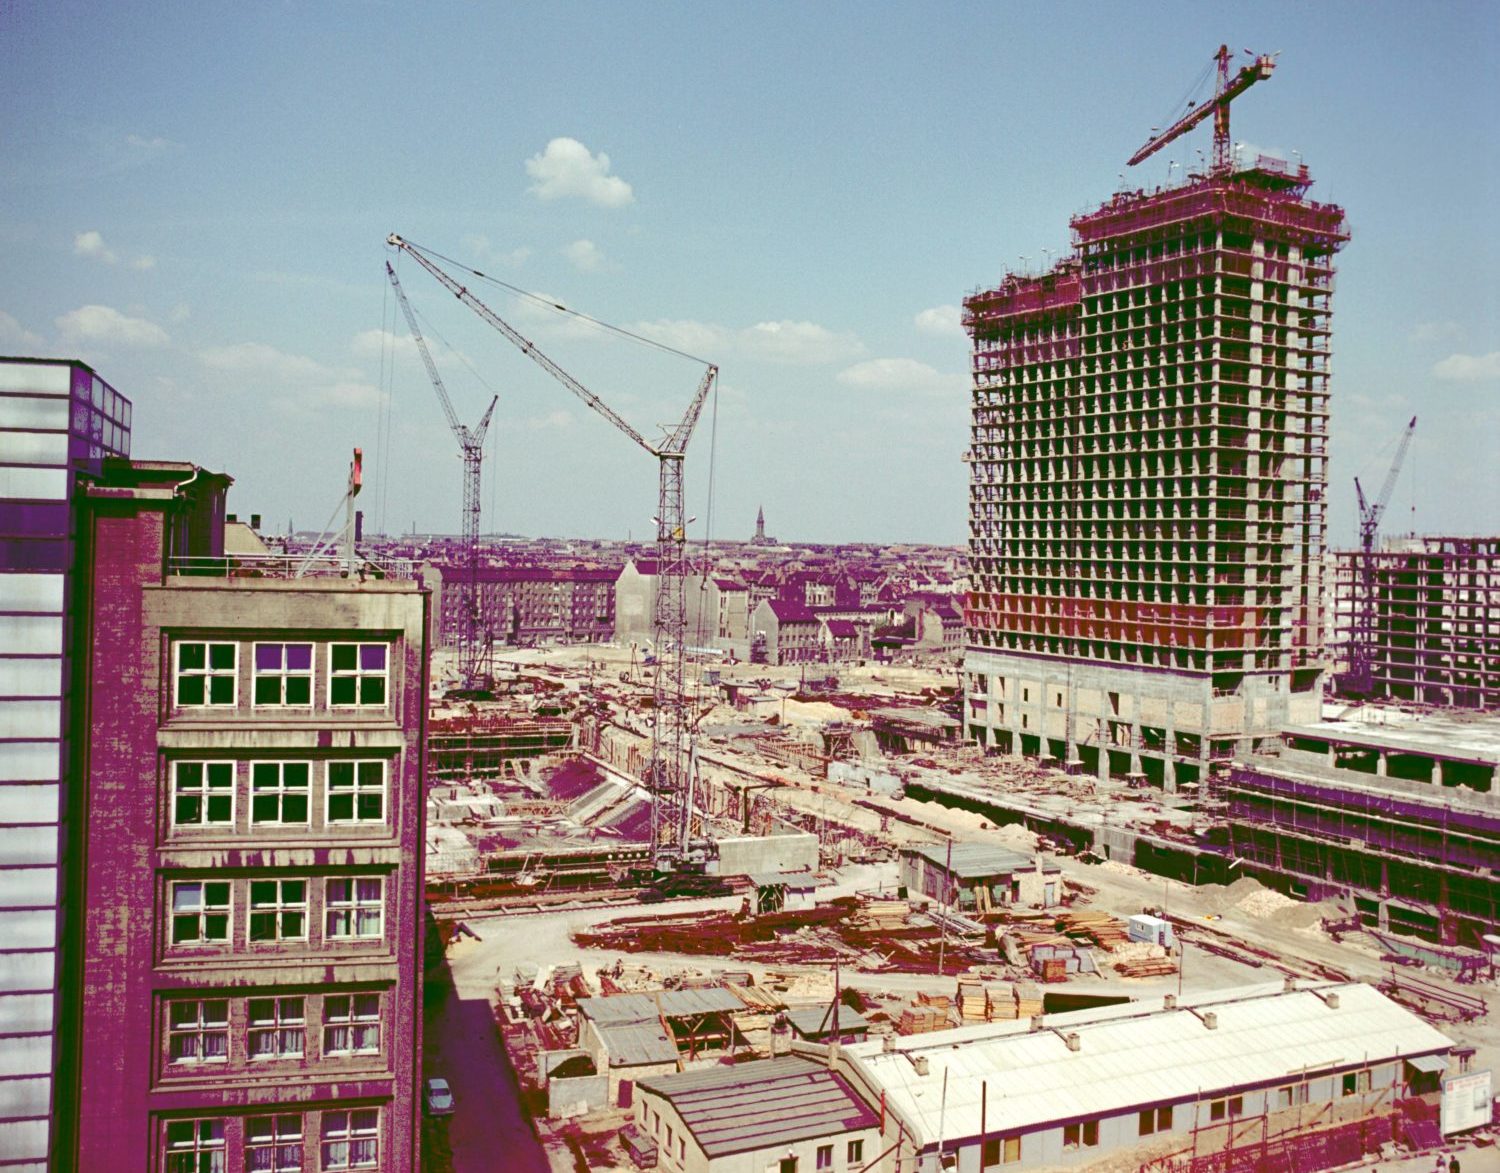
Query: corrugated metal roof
{"x": 762, "y": 1105}
{"x": 635, "y": 1008}
{"x": 816, "y": 1021}
{"x": 1137, "y": 1054}
{"x": 974, "y": 860}
{"x": 637, "y": 1044}
{"x": 798, "y": 880}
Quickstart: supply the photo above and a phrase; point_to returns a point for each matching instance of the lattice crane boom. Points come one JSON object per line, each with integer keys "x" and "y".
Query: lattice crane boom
{"x": 1370, "y": 512}
{"x": 1361, "y": 675}
{"x": 669, "y": 774}
{"x": 1225, "y": 92}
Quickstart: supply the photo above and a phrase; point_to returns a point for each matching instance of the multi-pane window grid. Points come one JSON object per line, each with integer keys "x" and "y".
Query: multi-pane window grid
{"x": 351, "y": 1024}
{"x": 280, "y": 792}
{"x": 357, "y": 675}
{"x": 356, "y": 792}
{"x": 351, "y": 1140}
{"x": 207, "y": 674}
{"x": 202, "y": 793}
{"x": 195, "y": 1146}
{"x": 278, "y": 910}
{"x": 277, "y": 1027}
{"x": 198, "y": 1030}
{"x": 283, "y": 675}
{"x": 273, "y": 1144}
{"x": 354, "y": 907}
{"x": 200, "y": 911}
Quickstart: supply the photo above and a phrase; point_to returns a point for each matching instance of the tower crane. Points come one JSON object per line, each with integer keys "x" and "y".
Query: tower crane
{"x": 473, "y": 637}
{"x": 1360, "y": 678}
{"x": 1225, "y": 91}
{"x": 669, "y": 771}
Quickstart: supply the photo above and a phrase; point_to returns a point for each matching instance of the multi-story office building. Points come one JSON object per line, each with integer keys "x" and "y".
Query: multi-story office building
{"x": 244, "y": 959}
{"x": 1147, "y": 472}
{"x": 526, "y": 605}
{"x": 58, "y": 421}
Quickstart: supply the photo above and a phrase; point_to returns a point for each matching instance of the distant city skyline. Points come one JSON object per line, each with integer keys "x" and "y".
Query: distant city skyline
{"x": 197, "y": 207}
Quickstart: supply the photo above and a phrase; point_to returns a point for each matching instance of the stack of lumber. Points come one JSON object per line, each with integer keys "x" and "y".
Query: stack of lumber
{"x": 1099, "y": 927}
{"x": 1146, "y": 967}
{"x": 973, "y": 1002}
{"x": 883, "y": 915}
{"x": 1000, "y": 1002}
{"x": 939, "y": 1001}
{"x": 1028, "y": 999}
{"x": 920, "y": 1019}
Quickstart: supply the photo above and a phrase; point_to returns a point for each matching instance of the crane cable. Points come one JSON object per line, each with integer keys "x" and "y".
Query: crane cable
{"x": 562, "y": 309}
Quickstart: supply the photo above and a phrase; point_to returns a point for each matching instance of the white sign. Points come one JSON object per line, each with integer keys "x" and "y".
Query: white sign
{"x": 1466, "y": 1102}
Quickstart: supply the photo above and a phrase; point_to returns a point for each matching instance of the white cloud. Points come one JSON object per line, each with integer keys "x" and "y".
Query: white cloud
{"x": 266, "y": 362}
{"x": 584, "y": 255}
{"x": 483, "y": 247}
{"x": 145, "y": 261}
{"x": 552, "y": 421}
{"x": 788, "y": 342}
{"x": 16, "y": 339}
{"x": 566, "y": 168}
{"x": 100, "y": 323}
{"x": 91, "y": 244}
{"x": 1425, "y": 332}
{"x": 941, "y": 320}
{"x": 154, "y": 144}
{"x": 353, "y": 395}
{"x": 686, "y": 335}
{"x": 180, "y": 312}
{"x": 900, "y": 374}
{"x": 295, "y": 383}
{"x": 1468, "y": 368}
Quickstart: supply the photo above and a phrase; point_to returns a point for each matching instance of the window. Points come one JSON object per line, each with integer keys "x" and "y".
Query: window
{"x": 200, "y": 911}
{"x": 1003, "y": 1150}
{"x": 1085, "y": 1134}
{"x": 202, "y": 794}
{"x": 1159, "y": 1120}
{"x": 273, "y": 1144}
{"x": 356, "y": 792}
{"x": 1291, "y": 1095}
{"x": 194, "y": 1146}
{"x": 198, "y": 1031}
{"x": 279, "y": 792}
{"x": 355, "y": 907}
{"x": 283, "y": 675}
{"x": 788, "y": 1165}
{"x": 1227, "y": 1108}
{"x": 1356, "y": 1082}
{"x": 856, "y": 1152}
{"x": 276, "y": 1028}
{"x": 351, "y": 1024}
{"x": 351, "y": 1140}
{"x": 824, "y": 1158}
{"x": 278, "y": 910}
{"x": 207, "y": 674}
{"x": 357, "y": 674}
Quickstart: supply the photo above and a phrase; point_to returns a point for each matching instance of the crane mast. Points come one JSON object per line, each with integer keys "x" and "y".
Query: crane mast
{"x": 1360, "y": 678}
{"x": 1225, "y": 91}
{"x": 474, "y": 642}
{"x": 669, "y": 772}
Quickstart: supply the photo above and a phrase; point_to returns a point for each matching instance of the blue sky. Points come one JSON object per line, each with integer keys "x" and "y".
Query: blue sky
{"x": 195, "y": 197}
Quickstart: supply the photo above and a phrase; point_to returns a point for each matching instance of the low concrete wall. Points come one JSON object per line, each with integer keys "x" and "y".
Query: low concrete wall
{"x": 877, "y": 781}
{"x": 773, "y": 853}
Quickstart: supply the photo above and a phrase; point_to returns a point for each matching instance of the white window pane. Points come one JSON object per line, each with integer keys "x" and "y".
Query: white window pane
{"x": 31, "y": 677}
{"x": 43, "y": 484}
{"x": 49, "y": 378}
{"x": 31, "y": 592}
{"x": 31, "y": 929}
{"x": 34, "y": 447}
{"x": 24, "y": 803}
{"x": 31, "y": 635}
{"x": 25, "y": 1013}
{"x": 29, "y": 761}
{"x": 27, "y": 1055}
{"x": 27, "y": 887}
{"x": 30, "y": 719}
{"x": 26, "y": 412}
{"x": 27, "y": 971}
{"x": 25, "y": 1097}
{"x": 20, "y": 846}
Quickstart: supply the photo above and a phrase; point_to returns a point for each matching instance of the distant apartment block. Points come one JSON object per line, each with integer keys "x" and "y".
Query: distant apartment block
{"x": 528, "y": 605}
{"x": 1148, "y": 459}
{"x": 58, "y": 421}
{"x": 248, "y": 884}
{"x": 1432, "y": 609}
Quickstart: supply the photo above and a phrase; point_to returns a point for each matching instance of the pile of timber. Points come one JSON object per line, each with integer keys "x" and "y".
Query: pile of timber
{"x": 884, "y": 916}
{"x": 920, "y": 1019}
{"x": 973, "y": 1002}
{"x": 1099, "y": 927}
{"x": 1142, "y": 967}
{"x": 1028, "y": 999}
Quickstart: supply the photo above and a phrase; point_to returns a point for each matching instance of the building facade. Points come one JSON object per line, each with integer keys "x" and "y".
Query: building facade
{"x": 528, "y": 605}
{"x": 249, "y": 879}
{"x": 58, "y": 421}
{"x": 1147, "y": 470}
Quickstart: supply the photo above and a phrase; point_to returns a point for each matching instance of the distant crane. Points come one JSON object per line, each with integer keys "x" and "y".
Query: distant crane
{"x": 1360, "y": 678}
{"x": 1225, "y": 91}
{"x": 669, "y": 773}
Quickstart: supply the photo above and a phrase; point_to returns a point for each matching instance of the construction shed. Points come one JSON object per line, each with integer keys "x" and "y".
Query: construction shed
{"x": 632, "y": 1036}
{"x": 977, "y": 876}
{"x": 788, "y": 1115}
{"x": 819, "y": 1024}
{"x": 784, "y": 891}
{"x": 1330, "y": 1067}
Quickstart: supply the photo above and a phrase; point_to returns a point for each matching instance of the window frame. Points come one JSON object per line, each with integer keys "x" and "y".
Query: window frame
{"x": 855, "y": 1152}
{"x": 197, "y": 1145}
{"x": 359, "y": 675}
{"x": 202, "y": 912}
{"x": 355, "y": 791}
{"x": 279, "y": 1026}
{"x": 200, "y": 1028}
{"x": 204, "y": 791}
{"x": 283, "y": 674}
{"x": 207, "y": 673}
{"x": 351, "y": 1021}
{"x": 353, "y": 905}
{"x": 359, "y": 1125}
{"x": 278, "y": 910}
{"x": 823, "y": 1158}
{"x": 281, "y": 792}
{"x": 274, "y": 1142}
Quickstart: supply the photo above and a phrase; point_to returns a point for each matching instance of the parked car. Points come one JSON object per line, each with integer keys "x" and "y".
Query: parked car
{"x": 439, "y": 1098}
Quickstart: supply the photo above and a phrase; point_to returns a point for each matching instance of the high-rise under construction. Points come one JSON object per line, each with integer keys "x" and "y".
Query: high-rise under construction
{"x": 1148, "y": 463}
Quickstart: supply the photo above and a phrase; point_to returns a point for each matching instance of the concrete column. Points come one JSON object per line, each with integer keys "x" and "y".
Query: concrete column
{"x": 1437, "y": 771}
{"x": 1382, "y": 764}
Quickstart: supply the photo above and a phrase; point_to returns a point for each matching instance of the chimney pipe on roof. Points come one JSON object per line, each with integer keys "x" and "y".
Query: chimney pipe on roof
{"x": 1036, "y": 1023}
{"x": 1210, "y": 1020}
{"x": 921, "y": 1064}
{"x": 1169, "y": 1002}
{"x": 1073, "y": 1041}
